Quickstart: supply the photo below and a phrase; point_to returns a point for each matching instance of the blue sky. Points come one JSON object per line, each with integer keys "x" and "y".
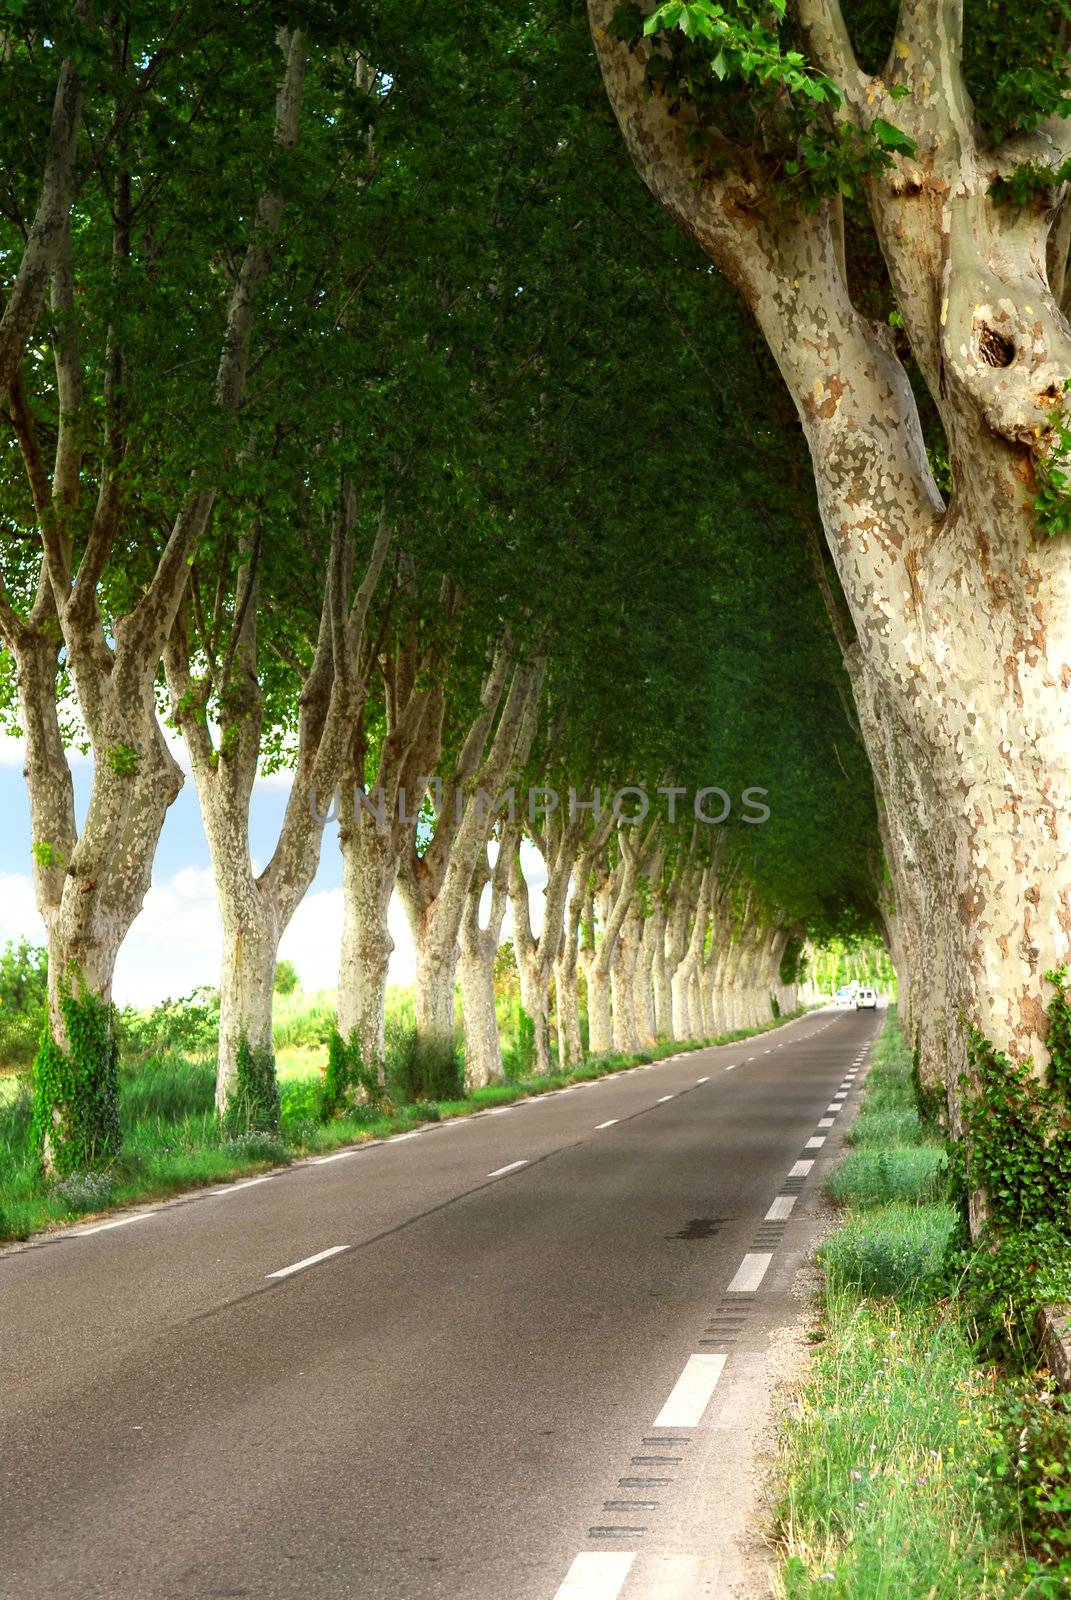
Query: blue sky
{"x": 175, "y": 943}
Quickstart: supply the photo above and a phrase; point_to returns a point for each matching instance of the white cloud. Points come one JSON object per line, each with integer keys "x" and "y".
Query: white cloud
{"x": 18, "y": 909}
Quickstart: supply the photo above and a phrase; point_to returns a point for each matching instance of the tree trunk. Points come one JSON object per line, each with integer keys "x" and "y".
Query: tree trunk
{"x": 369, "y": 872}
{"x": 436, "y": 971}
{"x": 535, "y": 999}
{"x": 651, "y": 955}
{"x": 90, "y": 888}
{"x": 246, "y": 1091}
{"x": 600, "y": 1009}
{"x": 623, "y": 966}
{"x": 476, "y": 966}
{"x": 483, "y": 1048}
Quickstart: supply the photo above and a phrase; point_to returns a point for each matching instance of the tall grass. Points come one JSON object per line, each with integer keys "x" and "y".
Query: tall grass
{"x": 888, "y": 1489}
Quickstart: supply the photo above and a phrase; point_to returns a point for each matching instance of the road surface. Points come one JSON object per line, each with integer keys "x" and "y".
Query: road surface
{"x": 492, "y": 1360}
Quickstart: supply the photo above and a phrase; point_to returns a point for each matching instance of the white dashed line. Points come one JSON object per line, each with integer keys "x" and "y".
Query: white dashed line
{"x": 596, "y": 1575}
{"x": 662, "y": 1098}
{"x": 800, "y": 1169}
{"x": 246, "y": 1183}
{"x": 691, "y": 1393}
{"x": 511, "y": 1166}
{"x": 750, "y": 1273}
{"x": 309, "y": 1261}
{"x": 702, "y": 1080}
{"x": 816, "y": 1143}
{"x": 825, "y": 1122}
{"x": 834, "y": 1107}
{"x": 732, "y": 1066}
{"x": 608, "y": 1124}
{"x": 100, "y": 1227}
{"x": 781, "y": 1208}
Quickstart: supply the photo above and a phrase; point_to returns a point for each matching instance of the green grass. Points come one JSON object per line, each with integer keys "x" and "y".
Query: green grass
{"x": 888, "y": 1486}
{"x": 885, "y": 1465}
{"x": 173, "y": 1140}
{"x": 874, "y": 1176}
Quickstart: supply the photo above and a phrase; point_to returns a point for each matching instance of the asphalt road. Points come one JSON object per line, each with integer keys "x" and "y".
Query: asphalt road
{"x": 487, "y": 1392}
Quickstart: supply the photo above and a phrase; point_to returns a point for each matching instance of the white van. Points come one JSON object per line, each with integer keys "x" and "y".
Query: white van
{"x": 866, "y": 998}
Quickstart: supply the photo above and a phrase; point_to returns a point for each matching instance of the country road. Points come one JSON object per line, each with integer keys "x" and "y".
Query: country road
{"x": 484, "y": 1361}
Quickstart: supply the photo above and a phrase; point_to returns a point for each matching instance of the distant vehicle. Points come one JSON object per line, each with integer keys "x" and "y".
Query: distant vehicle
{"x": 866, "y": 998}
{"x": 845, "y": 997}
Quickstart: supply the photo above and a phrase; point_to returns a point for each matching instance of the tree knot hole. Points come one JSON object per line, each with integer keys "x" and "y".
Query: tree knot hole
{"x": 996, "y": 350}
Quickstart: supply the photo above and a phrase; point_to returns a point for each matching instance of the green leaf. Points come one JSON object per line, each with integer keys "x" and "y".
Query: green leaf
{"x": 892, "y": 138}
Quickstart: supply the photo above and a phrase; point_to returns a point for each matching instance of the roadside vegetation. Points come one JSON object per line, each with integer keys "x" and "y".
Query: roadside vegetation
{"x": 173, "y": 1138}
{"x": 924, "y": 1461}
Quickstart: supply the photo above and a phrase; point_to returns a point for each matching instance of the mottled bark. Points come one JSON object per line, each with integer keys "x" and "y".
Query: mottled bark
{"x": 687, "y": 1022}
{"x": 476, "y": 967}
{"x": 373, "y": 834}
{"x": 537, "y": 958}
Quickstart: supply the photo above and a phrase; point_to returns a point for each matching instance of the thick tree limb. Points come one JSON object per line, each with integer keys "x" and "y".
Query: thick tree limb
{"x": 57, "y": 190}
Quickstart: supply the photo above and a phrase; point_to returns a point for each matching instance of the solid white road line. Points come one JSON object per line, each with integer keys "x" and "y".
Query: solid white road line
{"x": 800, "y": 1169}
{"x": 691, "y": 1393}
{"x": 816, "y": 1143}
{"x": 781, "y": 1208}
{"x": 608, "y": 1124}
{"x": 246, "y": 1183}
{"x": 511, "y": 1166}
{"x": 596, "y": 1575}
{"x": 825, "y": 1122}
{"x": 321, "y": 1161}
{"x": 309, "y": 1261}
{"x": 100, "y": 1227}
{"x": 750, "y": 1273}
{"x": 396, "y": 1138}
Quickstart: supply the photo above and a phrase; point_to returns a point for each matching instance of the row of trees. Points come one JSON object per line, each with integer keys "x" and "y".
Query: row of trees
{"x": 351, "y": 389}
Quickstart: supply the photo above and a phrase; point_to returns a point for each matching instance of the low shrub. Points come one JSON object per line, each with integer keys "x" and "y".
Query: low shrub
{"x": 421, "y": 1066}
{"x": 84, "y": 1191}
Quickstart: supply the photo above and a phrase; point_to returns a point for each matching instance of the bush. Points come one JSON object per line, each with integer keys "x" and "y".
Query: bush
{"x": 518, "y": 1057}
{"x": 186, "y": 1026}
{"x": 84, "y": 1191}
{"x": 1032, "y": 1469}
{"x": 1004, "y": 1280}
{"x": 23, "y": 1000}
{"x": 286, "y": 978}
{"x": 421, "y": 1066}
{"x": 898, "y": 1250}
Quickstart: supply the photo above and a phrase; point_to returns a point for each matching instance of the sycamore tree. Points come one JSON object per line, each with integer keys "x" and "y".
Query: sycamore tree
{"x": 886, "y": 187}
{"x": 127, "y": 420}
